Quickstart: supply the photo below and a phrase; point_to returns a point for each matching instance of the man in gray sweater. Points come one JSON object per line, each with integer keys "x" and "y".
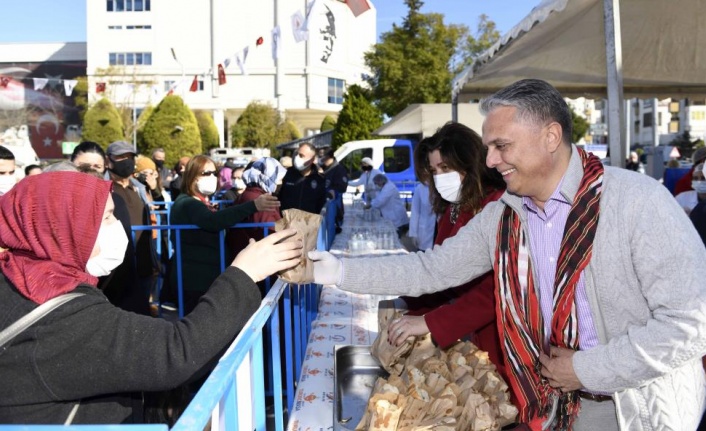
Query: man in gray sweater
{"x": 600, "y": 277}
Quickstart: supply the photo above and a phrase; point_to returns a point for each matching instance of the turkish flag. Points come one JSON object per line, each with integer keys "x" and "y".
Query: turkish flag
{"x": 4, "y": 81}
{"x": 221, "y": 75}
{"x": 259, "y": 41}
{"x": 100, "y": 87}
{"x": 358, "y": 6}
{"x": 194, "y": 84}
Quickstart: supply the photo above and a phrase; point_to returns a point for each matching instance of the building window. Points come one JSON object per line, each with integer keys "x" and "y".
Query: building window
{"x": 335, "y": 91}
{"x": 673, "y": 107}
{"x": 128, "y": 5}
{"x": 698, "y": 115}
{"x": 138, "y": 27}
{"x": 168, "y": 85}
{"x": 115, "y": 27}
{"x": 130, "y": 58}
{"x": 647, "y": 119}
{"x": 673, "y": 127}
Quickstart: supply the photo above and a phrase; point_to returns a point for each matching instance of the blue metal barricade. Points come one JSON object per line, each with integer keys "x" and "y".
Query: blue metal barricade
{"x": 233, "y": 396}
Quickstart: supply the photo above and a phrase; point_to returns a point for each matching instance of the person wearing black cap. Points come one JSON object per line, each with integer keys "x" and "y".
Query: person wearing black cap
{"x": 121, "y": 166}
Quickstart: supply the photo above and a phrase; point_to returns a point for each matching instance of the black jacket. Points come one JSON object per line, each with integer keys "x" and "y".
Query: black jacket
{"x": 89, "y": 350}
{"x": 336, "y": 177}
{"x": 307, "y": 193}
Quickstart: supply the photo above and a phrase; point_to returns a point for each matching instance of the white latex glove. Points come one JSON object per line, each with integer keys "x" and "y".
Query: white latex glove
{"x": 327, "y": 267}
{"x": 269, "y": 255}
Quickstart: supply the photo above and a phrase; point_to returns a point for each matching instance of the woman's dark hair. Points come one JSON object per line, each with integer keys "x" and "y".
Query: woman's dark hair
{"x": 462, "y": 150}
{"x": 87, "y": 147}
{"x": 192, "y": 172}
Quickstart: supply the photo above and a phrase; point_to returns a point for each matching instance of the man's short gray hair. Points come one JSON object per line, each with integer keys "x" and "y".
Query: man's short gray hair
{"x": 537, "y": 102}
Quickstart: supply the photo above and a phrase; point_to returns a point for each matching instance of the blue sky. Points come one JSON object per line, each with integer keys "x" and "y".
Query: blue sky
{"x": 65, "y": 20}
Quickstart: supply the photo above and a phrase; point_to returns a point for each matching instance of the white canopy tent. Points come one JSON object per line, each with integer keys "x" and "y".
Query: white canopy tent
{"x": 655, "y": 49}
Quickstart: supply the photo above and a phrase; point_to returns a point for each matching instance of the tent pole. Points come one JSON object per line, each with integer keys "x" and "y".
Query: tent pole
{"x": 614, "y": 76}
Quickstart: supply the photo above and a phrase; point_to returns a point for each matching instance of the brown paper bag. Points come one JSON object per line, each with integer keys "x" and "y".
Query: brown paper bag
{"x": 307, "y": 226}
{"x": 382, "y": 350}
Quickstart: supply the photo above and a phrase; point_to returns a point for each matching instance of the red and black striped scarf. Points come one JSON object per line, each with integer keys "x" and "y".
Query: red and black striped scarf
{"x": 520, "y": 322}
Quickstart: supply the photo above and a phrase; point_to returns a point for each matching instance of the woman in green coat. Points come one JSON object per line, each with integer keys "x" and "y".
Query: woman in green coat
{"x": 200, "y": 249}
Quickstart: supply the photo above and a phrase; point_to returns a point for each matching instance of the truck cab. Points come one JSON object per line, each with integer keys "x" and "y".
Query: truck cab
{"x": 393, "y": 157}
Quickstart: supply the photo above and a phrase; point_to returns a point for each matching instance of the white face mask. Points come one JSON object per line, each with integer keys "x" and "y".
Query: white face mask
{"x": 207, "y": 185}
{"x": 449, "y": 186}
{"x": 112, "y": 242}
{"x": 699, "y": 186}
{"x": 7, "y": 182}
{"x": 300, "y": 163}
{"x": 239, "y": 184}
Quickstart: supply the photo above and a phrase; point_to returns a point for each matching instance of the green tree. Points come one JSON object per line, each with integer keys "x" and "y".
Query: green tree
{"x": 287, "y": 131}
{"x": 412, "y": 63}
{"x": 172, "y": 126}
{"x": 358, "y": 117}
{"x": 476, "y": 44}
{"x": 258, "y": 126}
{"x": 328, "y": 123}
{"x": 208, "y": 130}
{"x": 579, "y": 126}
{"x": 141, "y": 121}
{"x": 81, "y": 96}
{"x": 102, "y": 124}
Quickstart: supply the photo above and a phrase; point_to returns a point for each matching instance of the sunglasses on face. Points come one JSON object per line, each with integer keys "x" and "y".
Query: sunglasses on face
{"x": 207, "y": 173}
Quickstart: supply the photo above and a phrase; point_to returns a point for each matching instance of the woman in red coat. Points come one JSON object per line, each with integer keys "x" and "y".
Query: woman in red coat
{"x": 452, "y": 162}
{"x": 261, "y": 178}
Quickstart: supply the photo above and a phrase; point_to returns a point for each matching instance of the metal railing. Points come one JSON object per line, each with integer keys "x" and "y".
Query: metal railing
{"x": 233, "y": 397}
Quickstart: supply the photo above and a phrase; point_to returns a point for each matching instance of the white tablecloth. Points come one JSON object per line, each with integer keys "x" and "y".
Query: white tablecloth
{"x": 343, "y": 319}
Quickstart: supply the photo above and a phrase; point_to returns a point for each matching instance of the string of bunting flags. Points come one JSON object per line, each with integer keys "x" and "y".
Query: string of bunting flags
{"x": 41, "y": 83}
{"x": 300, "y": 32}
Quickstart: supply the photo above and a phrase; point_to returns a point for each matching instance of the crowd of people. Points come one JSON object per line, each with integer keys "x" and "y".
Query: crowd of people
{"x": 569, "y": 273}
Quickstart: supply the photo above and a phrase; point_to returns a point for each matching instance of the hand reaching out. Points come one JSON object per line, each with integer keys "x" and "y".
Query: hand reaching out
{"x": 269, "y": 255}
{"x": 327, "y": 267}
{"x": 267, "y": 202}
{"x": 405, "y": 327}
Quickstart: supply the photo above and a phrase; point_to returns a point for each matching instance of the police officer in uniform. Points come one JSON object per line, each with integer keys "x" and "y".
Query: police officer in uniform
{"x": 302, "y": 186}
{"x": 336, "y": 177}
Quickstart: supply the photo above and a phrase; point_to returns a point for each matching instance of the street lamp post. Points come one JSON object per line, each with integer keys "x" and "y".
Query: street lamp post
{"x": 183, "y": 75}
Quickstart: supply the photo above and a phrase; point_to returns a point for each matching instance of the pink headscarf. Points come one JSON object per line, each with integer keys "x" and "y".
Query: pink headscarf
{"x": 49, "y": 224}
{"x": 225, "y": 178}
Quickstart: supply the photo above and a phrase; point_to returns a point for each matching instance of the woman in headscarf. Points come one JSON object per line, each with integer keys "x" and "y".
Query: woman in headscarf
{"x": 88, "y": 360}
{"x": 200, "y": 249}
{"x": 261, "y": 179}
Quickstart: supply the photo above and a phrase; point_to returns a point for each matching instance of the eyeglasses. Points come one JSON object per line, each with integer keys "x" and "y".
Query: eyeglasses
{"x": 207, "y": 173}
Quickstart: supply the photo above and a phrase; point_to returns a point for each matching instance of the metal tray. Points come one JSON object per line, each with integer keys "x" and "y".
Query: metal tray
{"x": 355, "y": 373}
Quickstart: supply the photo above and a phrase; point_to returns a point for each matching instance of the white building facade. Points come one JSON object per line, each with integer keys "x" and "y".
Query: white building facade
{"x": 140, "y": 49}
